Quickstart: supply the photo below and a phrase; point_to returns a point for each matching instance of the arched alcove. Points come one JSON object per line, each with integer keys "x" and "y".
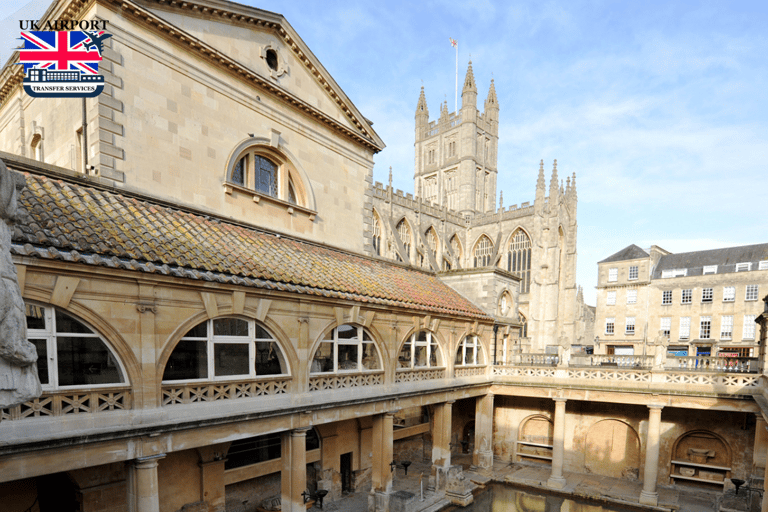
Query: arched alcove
{"x": 612, "y": 448}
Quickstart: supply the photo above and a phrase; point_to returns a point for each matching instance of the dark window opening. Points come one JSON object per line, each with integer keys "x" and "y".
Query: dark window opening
{"x": 272, "y": 59}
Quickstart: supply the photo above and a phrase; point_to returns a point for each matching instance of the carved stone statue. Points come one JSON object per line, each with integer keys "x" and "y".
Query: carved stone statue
{"x": 660, "y": 351}
{"x": 18, "y": 372}
{"x": 563, "y": 350}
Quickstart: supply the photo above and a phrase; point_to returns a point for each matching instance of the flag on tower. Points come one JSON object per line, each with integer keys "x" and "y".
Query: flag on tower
{"x": 454, "y": 42}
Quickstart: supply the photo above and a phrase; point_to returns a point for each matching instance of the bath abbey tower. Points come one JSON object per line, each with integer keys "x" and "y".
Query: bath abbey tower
{"x": 453, "y": 226}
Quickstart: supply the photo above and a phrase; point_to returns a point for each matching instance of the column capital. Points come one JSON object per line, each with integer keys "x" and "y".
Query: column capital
{"x": 449, "y": 402}
{"x": 655, "y": 407}
{"x": 300, "y": 432}
{"x": 560, "y": 399}
{"x": 149, "y": 461}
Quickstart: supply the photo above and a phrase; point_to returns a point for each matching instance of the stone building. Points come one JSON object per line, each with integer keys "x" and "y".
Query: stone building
{"x": 701, "y": 303}
{"x": 203, "y": 347}
{"x": 452, "y": 225}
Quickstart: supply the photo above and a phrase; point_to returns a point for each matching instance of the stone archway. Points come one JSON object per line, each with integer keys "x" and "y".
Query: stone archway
{"x": 612, "y": 449}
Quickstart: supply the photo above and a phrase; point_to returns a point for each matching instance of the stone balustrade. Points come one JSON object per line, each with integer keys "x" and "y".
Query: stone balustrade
{"x": 71, "y": 401}
{"x": 612, "y": 360}
{"x": 215, "y": 391}
{"x": 712, "y": 364}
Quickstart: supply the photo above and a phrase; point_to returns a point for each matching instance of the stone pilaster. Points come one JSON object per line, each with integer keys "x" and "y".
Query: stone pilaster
{"x": 294, "y": 473}
{"x": 146, "y": 491}
{"x": 482, "y": 457}
{"x": 556, "y": 480}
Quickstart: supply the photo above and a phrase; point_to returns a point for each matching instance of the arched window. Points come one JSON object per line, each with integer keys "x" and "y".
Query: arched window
{"x": 225, "y": 348}
{"x": 519, "y": 258}
{"x": 347, "y": 348}
{"x": 470, "y": 352}
{"x": 69, "y": 353}
{"x": 404, "y": 231}
{"x": 483, "y": 252}
{"x": 376, "y": 234}
{"x": 263, "y": 170}
{"x": 524, "y": 328}
{"x": 431, "y": 236}
{"x": 420, "y": 350}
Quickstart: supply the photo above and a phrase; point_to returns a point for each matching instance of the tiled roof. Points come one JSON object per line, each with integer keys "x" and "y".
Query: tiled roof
{"x": 631, "y": 252}
{"x": 725, "y": 259}
{"x": 77, "y": 223}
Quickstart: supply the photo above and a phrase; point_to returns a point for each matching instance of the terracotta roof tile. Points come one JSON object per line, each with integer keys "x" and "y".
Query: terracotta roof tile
{"x": 77, "y": 223}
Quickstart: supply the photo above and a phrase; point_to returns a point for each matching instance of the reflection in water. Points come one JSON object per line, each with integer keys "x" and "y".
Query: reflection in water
{"x": 503, "y": 498}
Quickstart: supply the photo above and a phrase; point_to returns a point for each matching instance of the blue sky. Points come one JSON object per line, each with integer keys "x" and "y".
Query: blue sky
{"x": 660, "y": 108}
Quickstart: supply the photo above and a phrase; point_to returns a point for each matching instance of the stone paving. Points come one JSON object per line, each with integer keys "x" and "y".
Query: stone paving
{"x": 605, "y": 490}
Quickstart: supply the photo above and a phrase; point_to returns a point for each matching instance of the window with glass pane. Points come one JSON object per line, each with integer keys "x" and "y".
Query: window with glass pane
{"x": 613, "y": 275}
{"x": 610, "y": 299}
{"x": 749, "y": 327}
{"x": 686, "y": 296}
{"x": 610, "y": 325}
{"x": 225, "y": 348}
{"x": 752, "y": 292}
{"x": 470, "y": 352}
{"x": 633, "y": 273}
{"x": 666, "y": 297}
{"x": 685, "y": 327}
{"x": 729, "y": 293}
{"x": 665, "y": 326}
{"x": 630, "y": 325}
{"x": 266, "y": 175}
{"x": 705, "y": 327}
{"x": 69, "y": 352}
{"x": 519, "y": 259}
{"x": 631, "y": 296}
{"x": 238, "y": 172}
{"x": 346, "y": 348}
{"x": 419, "y": 351}
{"x": 726, "y": 327}
{"x": 483, "y": 252}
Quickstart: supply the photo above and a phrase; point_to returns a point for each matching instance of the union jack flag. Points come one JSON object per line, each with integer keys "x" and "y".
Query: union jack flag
{"x": 454, "y": 42}
{"x": 60, "y": 51}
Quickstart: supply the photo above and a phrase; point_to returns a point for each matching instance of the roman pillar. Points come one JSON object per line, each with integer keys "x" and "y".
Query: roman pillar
{"x": 556, "y": 480}
{"x": 441, "y": 435}
{"x": 649, "y": 496}
{"x": 482, "y": 456}
{"x": 761, "y": 444}
{"x": 293, "y": 478}
{"x": 146, "y": 492}
{"x": 382, "y": 452}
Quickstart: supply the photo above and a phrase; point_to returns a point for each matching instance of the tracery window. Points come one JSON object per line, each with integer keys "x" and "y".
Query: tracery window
{"x": 405, "y": 236}
{"x": 420, "y": 350}
{"x": 470, "y": 352}
{"x": 483, "y": 252}
{"x": 519, "y": 259}
{"x": 69, "y": 352}
{"x": 432, "y": 241}
{"x": 225, "y": 348}
{"x": 346, "y": 348}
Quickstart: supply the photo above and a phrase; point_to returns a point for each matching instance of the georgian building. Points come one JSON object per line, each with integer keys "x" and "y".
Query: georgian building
{"x": 701, "y": 303}
{"x": 204, "y": 346}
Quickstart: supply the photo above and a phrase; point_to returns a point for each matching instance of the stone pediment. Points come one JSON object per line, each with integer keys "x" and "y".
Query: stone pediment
{"x": 247, "y": 36}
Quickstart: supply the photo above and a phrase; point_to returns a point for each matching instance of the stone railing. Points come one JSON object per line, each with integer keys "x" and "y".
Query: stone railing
{"x": 468, "y": 371}
{"x": 417, "y": 374}
{"x": 610, "y": 374}
{"x": 524, "y": 371}
{"x": 712, "y": 364}
{"x": 215, "y": 391}
{"x": 325, "y": 382}
{"x": 529, "y": 359}
{"x": 612, "y": 360}
{"x": 713, "y": 379}
{"x": 62, "y": 403}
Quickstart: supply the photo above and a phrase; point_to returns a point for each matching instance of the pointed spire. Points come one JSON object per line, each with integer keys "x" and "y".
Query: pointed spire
{"x": 469, "y": 80}
{"x": 501, "y": 200}
{"x": 491, "y": 101}
{"x": 390, "y": 176}
{"x": 540, "y": 187}
{"x": 553, "y": 189}
{"x": 421, "y": 106}
{"x": 573, "y": 183}
{"x": 568, "y": 185}
{"x": 444, "y": 110}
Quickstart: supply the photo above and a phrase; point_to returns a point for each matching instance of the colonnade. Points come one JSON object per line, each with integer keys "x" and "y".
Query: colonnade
{"x": 143, "y": 483}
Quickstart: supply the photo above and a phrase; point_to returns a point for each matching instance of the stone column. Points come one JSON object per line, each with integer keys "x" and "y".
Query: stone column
{"x": 482, "y": 457}
{"x": 556, "y": 480}
{"x": 146, "y": 496}
{"x": 761, "y": 444}
{"x": 764, "y": 507}
{"x": 293, "y": 478}
{"x": 441, "y": 435}
{"x": 381, "y": 472}
{"x": 649, "y": 496}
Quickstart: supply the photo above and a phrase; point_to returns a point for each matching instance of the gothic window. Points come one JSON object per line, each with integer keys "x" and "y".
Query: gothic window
{"x": 69, "y": 352}
{"x": 483, "y": 252}
{"x": 524, "y": 328}
{"x": 405, "y": 236}
{"x": 225, "y": 348}
{"x": 470, "y": 352}
{"x": 519, "y": 258}
{"x": 450, "y": 189}
{"x": 431, "y": 237}
{"x": 347, "y": 348}
{"x": 420, "y": 350}
{"x": 430, "y": 188}
{"x": 376, "y": 234}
